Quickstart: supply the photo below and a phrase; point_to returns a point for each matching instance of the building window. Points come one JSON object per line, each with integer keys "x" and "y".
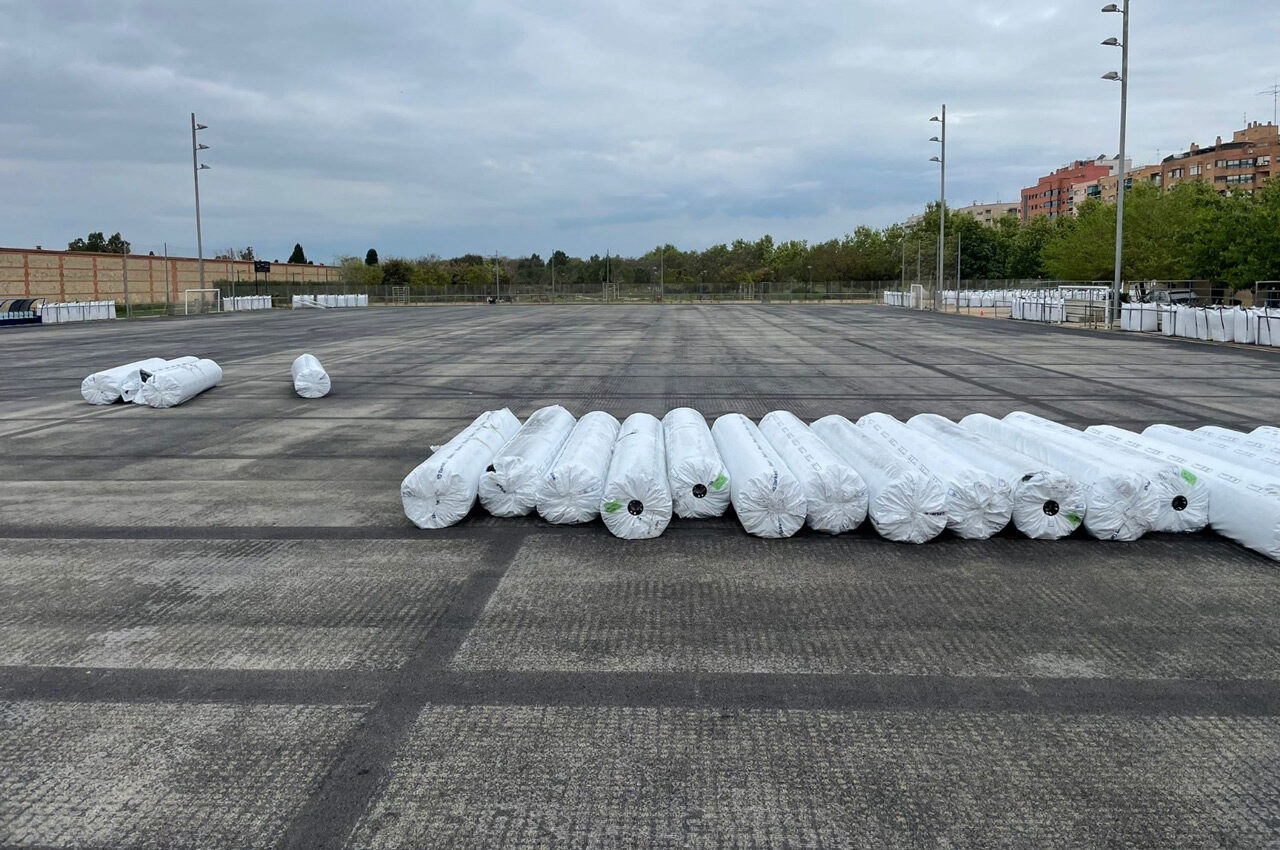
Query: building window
{"x": 1176, "y": 174}
{"x": 1264, "y": 160}
{"x": 1196, "y": 170}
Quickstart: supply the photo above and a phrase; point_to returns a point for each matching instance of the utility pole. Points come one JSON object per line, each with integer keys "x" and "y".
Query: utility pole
{"x": 1123, "y": 78}
{"x": 124, "y": 267}
{"x": 196, "y": 168}
{"x": 942, "y": 192}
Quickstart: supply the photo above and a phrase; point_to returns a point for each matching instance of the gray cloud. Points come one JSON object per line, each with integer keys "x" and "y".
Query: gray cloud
{"x": 581, "y": 124}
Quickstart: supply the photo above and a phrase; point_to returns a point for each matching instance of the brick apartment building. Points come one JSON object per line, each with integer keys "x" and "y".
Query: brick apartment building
{"x": 1242, "y": 164}
{"x": 1052, "y": 195}
{"x": 988, "y": 214}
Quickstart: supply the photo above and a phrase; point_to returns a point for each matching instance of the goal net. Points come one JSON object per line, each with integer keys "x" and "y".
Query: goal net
{"x": 201, "y": 301}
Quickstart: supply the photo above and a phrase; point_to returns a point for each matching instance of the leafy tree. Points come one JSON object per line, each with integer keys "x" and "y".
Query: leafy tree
{"x": 247, "y": 253}
{"x": 98, "y": 243}
{"x": 397, "y": 272}
{"x": 371, "y": 257}
{"x": 298, "y": 256}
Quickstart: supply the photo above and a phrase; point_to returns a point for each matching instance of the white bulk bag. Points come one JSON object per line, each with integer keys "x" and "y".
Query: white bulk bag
{"x": 1246, "y": 326}
{"x": 510, "y": 483}
{"x": 106, "y": 387}
{"x": 174, "y": 385}
{"x": 835, "y": 494}
{"x": 131, "y": 390}
{"x": 1263, "y": 462}
{"x": 904, "y": 505}
{"x": 310, "y": 380}
{"x": 978, "y": 503}
{"x": 574, "y": 485}
{"x": 1047, "y": 504}
{"x": 1120, "y": 505}
{"x": 697, "y": 476}
{"x": 636, "y": 504}
{"x": 1243, "y": 505}
{"x": 1222, "y": 324}
{"x": 1182, "y": 502}
{"x": 441, "y": 490}
{"x": 768, "y": 499}
{"x": 1269, "y": 327}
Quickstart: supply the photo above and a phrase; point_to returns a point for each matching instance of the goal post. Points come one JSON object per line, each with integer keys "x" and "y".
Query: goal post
{"x": 201, "y": 301}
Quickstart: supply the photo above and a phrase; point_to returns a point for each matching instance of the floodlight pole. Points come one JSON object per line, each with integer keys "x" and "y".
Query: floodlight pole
{"x": 942, "y": 200}
{"x": 195, "y": 174}
{"x": 1114, "y": 312}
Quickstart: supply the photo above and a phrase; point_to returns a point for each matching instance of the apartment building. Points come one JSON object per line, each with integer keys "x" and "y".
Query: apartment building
{"x": 1242, "y": 164}
{"x": 988, "y": 214}
{"x": 1052, "y": 196}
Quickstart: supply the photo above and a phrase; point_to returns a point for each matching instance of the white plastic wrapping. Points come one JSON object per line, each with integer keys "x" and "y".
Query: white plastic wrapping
{"x": 131, "y": 389}
{"x": 1120, "y": 505}
{"x": 904, "y": 505}
{"x": 768, "y": 499}
{"x": 106, "y": 387}
{"x": 511, "y": 481}
{"x": 441, "y": 490}
{"x": 697, "y": 476}
{"x": 1255, "y": 441}
{"x": 1047, "y": 504}
{"x": 636, "y": 504}
{"x": 835, "y": 494}
{"x": 1267, "y": 432}
{"x": 178, "y": 384}
{"x": 1263, "y": 462}
{"x": 1243, "y": 504}
{"x": 574, "y": 485}
{"x": 1182, "y": 501}
{"x": 978, "y": 503}
{"x": 310, "y": 380}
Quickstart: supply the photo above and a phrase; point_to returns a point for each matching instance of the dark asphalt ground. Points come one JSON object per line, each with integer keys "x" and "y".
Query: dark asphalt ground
{"x": 219, "y": 631}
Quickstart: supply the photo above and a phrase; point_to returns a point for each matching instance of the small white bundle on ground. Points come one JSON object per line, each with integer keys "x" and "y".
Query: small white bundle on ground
{"x": 904, "y": 505}
{"x": 767, "y": 498}
{"x": 697, "y": 476}
{"x": 1262, "y": 461}
{"x": 442, "y": 489}
{"x": 107, "y": 386}
{"x": 310, "y": 380}
{"x": 636, "y": 504}
{"x": 512, "y": 480}
{"x": 178, "y": 384}
{"x": 1182, "y": 502}
{"x": 835, "y": 494}
{"x": 1120, "y": 504}
{"x": 131, "y": 389}
{"x": 1047, "y": 504}
{"x": 1243, "y": 504}
{"x": 979, "y": 504}
{"x": 574, "y": 485}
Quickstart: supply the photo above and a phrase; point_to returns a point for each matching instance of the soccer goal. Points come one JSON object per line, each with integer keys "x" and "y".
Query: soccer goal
{"x": 201, "y": 301}
{"x": 917, "y": 296}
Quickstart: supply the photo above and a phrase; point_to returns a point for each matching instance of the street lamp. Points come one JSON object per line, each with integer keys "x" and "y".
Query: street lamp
{"x": 942, "y": 193}
{"x": 810, "y": 283}
{"x": 196, "y": 168}
{"x": 1123, "y": 79}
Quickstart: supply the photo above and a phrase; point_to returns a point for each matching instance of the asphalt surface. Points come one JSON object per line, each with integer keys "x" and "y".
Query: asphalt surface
{"x": 217, "y": 629}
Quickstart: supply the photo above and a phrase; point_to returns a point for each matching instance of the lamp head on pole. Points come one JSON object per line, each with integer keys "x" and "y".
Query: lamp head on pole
{"x": 934, "y": 159}
{"x": 202, "y": 126}
{"x": 1112, "y": 76}
{"x": 204, "y": 167}
{"x": 936, "y": 118}
{"x": 202, "y": 147}
{"x": 1111, "y": 42}
{"x": 934, "y": 139}
{"x": 1111, "y": 7}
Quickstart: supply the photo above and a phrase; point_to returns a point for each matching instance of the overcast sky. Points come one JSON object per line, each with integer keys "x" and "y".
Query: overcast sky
{"x": 518, "y": 126}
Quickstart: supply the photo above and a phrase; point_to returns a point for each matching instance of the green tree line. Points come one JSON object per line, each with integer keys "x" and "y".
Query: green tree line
{"x": 1191, "y": 232}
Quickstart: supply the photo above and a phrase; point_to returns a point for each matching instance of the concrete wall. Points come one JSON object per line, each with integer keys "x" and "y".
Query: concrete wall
{"x": 68, "y": 276}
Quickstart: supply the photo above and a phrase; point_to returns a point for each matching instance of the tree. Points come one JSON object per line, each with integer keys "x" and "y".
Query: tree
{"x": 397, "y": 272}
{"x": 98, "y": 243}
{"x": 247, "y": 253}
{"x": 371, "y": 257}
{"x": 298, "y": 256}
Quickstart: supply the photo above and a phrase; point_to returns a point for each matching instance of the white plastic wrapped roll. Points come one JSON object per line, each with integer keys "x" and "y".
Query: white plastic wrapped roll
{"x": 1254, "y": 442}
{"x": 310, "y": 380}
{"x": 697, "y": 476}
{"x": 131, "y": 390}
{"x": 107, "y": 386}
{"x": 1263, "y": 462}
{"x": 1120, "y": 503}
{"x": 979, "y": 504}
{"x": 637, "y": 498}
{"x": 767, "y": 498}
{"x": 1243, "y": 505}
{"x": 174, "y": 385}
{"x": 441, "y": 490}
{"x": 1267, "y": 432}
{"x": 1047, "y": 504}
{"x": 1182, "y": 501}
{"x": 904, "y": 505}
{"x": 574, "y": 485}
{"x": 835, "y": 494}
{"x": 510, "y": 483}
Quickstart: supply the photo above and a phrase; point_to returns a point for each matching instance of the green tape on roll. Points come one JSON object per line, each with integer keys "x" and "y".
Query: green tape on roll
{"x": 720, "y": 481}
{"x": 1074, "y": 519}
{"x": 1189, "y": 476}
{"x": 612, "y": 507}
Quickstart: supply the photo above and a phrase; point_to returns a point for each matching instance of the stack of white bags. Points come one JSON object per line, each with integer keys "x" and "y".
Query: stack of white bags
{"x": 325, "y": 301}
{"x": 154, "y": 382}
{"x": 77, "y": 311}
{"x": 911, "y": 479}
{"x": 240, "y": 303}
{"x": 1244, "y": 325}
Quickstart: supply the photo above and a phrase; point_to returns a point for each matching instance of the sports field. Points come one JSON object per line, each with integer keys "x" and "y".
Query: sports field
{"x": 218, "y": 630}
